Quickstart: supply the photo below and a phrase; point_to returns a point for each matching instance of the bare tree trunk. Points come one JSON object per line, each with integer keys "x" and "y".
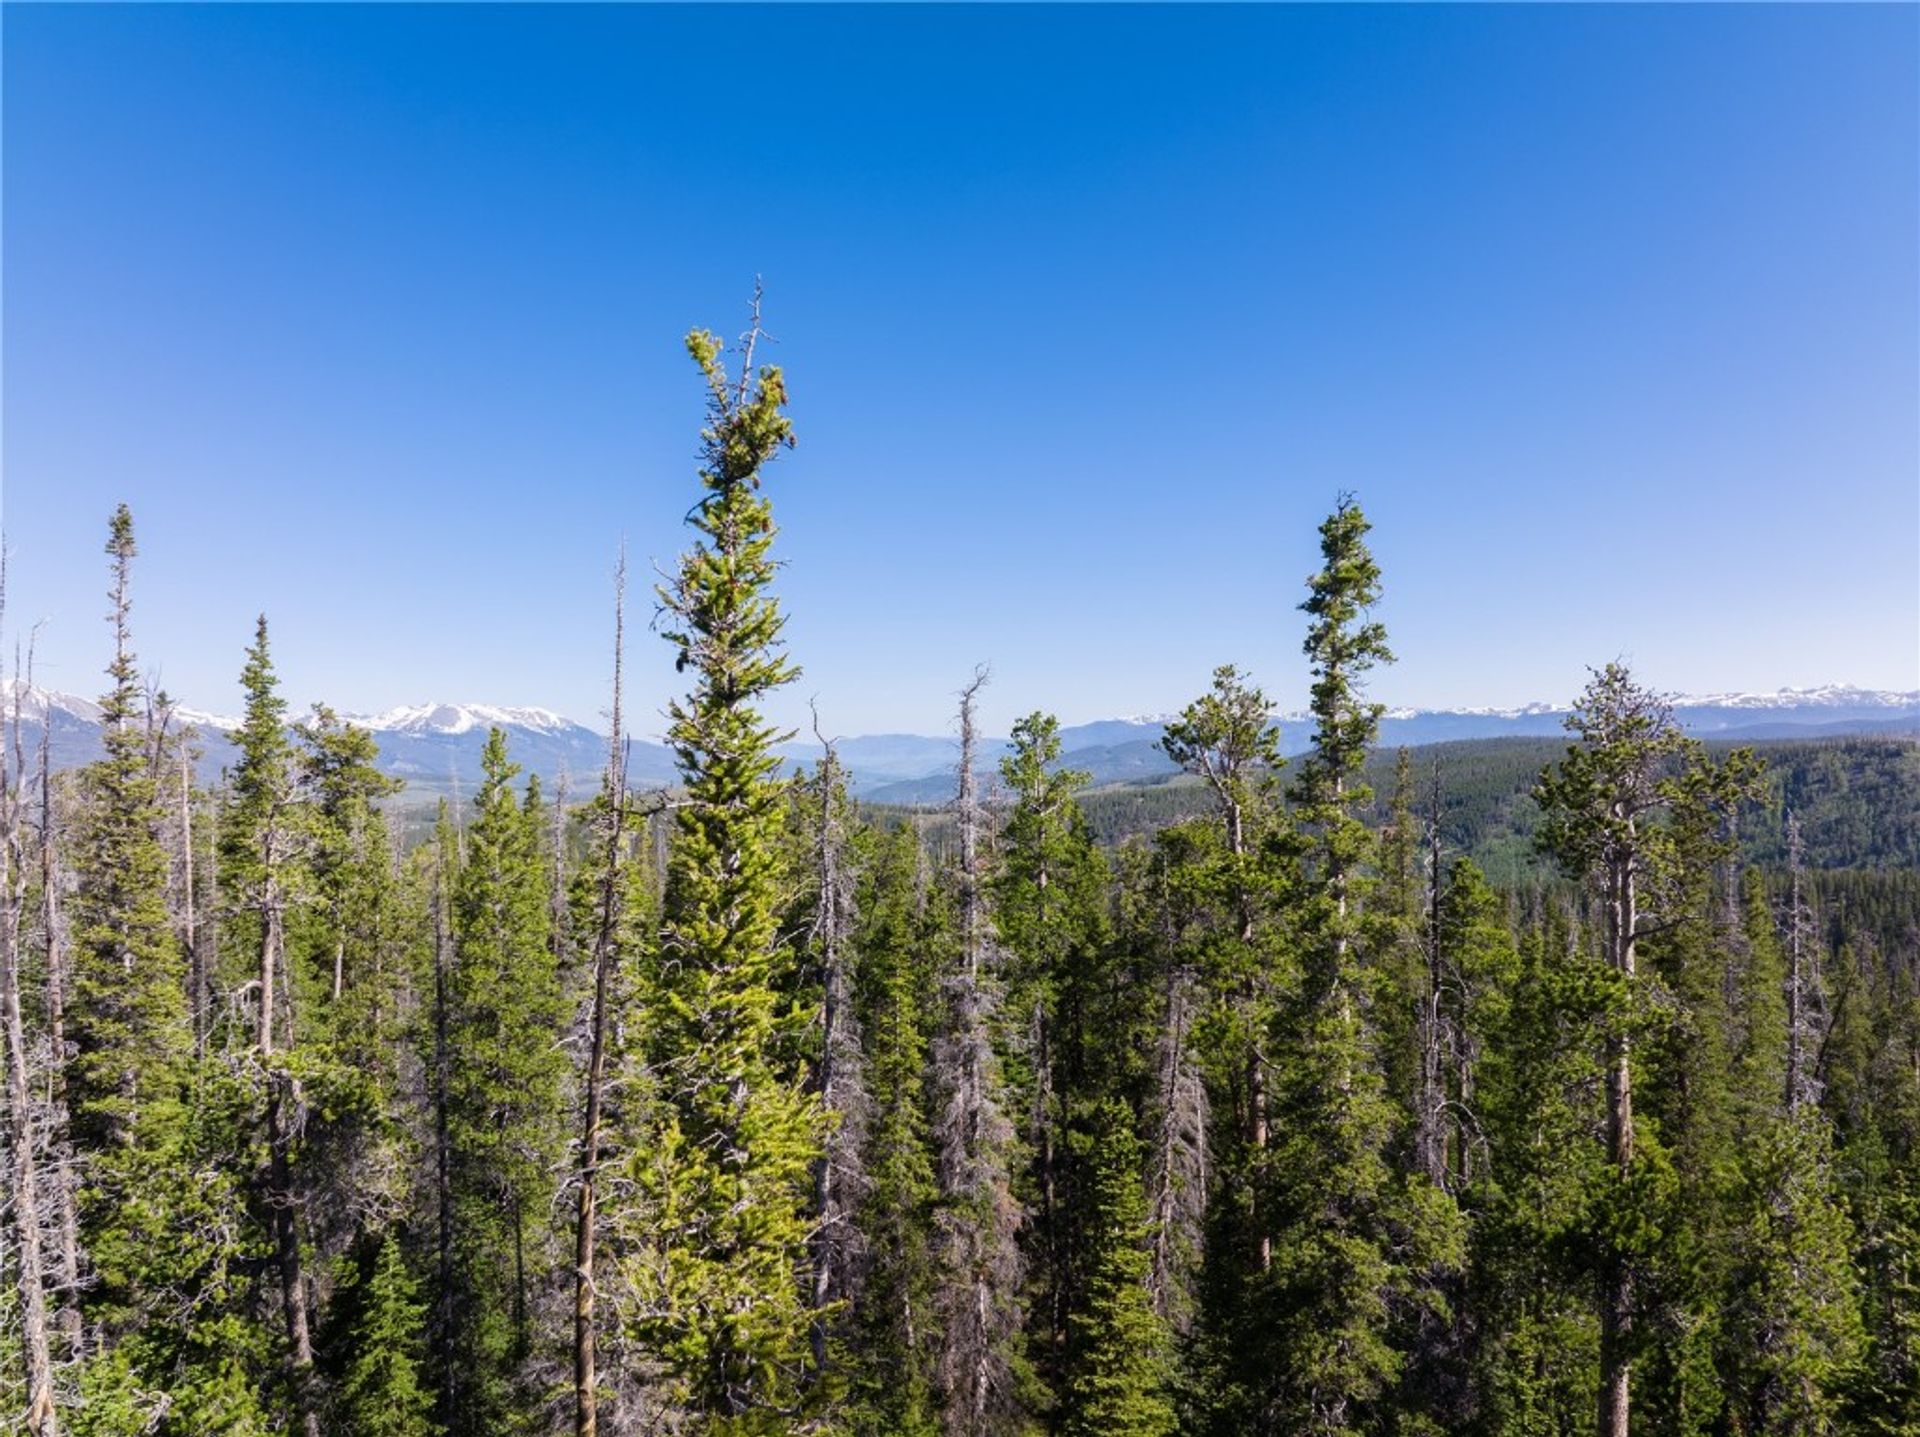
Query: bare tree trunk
{"x": 445, "y": 1316}
{"x": 1804, "y": 997}
{"x": 67, "y": 1217}
{"x": 586, "y": 1400}
{"x": 981, "y": 1217}
{"x": 1258, "y": 1134}
{"x": 282, "y": 1202}
{"x": 41, "y": 1419}
{"x": 1616, "y": 1311}
{"x": 839, "y": 1173}
{"x": 1177, "y": 1177}
{"x": 1431, "y": 1135}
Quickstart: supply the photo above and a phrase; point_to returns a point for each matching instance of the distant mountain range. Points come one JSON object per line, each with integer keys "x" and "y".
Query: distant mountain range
{"x": 436, "y": 747}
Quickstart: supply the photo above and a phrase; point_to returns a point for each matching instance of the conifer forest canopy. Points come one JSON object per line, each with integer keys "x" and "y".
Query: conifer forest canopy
{"x": 742, "y": 1107}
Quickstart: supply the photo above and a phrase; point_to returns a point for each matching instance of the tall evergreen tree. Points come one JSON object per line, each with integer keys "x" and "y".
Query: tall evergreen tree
{"x": 129, "y": 1021}
{"x": 1224, "y": 885}
{"x": 1638, "y": 810}
{"x": 504, "y": 1101}
{"x": 160, "y": 1211}
{"x": 262, "y": 852}
{"x": 893, "y": 1333}
{"x": 1353, "y": 1237}
{"x": 728, "y": 1167}
{"x": 1051, "y": 908}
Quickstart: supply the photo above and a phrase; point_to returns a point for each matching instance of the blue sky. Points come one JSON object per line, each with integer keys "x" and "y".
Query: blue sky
{"x": 373, "y": 314}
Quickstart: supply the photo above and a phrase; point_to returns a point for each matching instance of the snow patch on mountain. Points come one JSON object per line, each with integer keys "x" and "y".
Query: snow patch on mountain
{"x": 1826, "y": 696}
{"x": 462, "y": 718}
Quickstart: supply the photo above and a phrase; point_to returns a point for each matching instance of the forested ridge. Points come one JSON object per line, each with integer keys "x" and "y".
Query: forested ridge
{"x": 1506, "y": 1088}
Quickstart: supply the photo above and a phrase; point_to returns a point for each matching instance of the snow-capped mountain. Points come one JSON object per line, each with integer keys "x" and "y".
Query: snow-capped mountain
{"x": 436, "y": 747}
{"x": 462, "y": 718}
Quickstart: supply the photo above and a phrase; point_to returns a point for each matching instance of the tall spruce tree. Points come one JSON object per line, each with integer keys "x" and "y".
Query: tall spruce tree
{"x": 504, "y": 1102}
{"x": 263, "y": 855}
{"x": 1353, "y": 1238}
{"x": 892, "y": 1333}
{"x": 1228, "y": 887}
{"x": 1051, "y": 907}
{"x": 734, "y": 1135}
{"x": 160, "y": 1214}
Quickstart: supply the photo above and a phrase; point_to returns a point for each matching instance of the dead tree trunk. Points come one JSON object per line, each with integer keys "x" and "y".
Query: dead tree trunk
{"x": 282, "y": 1200}
{"x": 980, "y": 1217}
{"x": 1616, "y": 1309}
{"x": 586, "y": 1402}
{"x": 1431, "y": 1128}
{"x": 839, "y": 1172}
{"x": 1177, "y": 1175}
{"x": 1804, "y": 997}
{"x": 22, "y": 1141}
{"x": 445, "y": 1316}
{"x": 66, "y": 1212}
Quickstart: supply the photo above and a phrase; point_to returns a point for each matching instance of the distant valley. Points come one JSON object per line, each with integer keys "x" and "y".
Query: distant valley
{"x": 435, "y": 747}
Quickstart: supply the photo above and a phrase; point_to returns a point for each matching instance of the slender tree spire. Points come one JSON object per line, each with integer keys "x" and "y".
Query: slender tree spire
{"x": 261, "y": 846}
{"x": 980, "y": 1215}
{"x": 607, "y": 914}
{"x": 735, "y": 1133}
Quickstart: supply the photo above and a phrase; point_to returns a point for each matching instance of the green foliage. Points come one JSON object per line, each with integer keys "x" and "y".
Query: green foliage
{"x": 130, "y": 1027}
{"x": 1119, "y": 1367}
{"x": 726, "y": 1172}
{"x": 1354, "y": 1241}
{"x": 1307, "y": 1115}
{"x": 890, "y": 1342}
{"x": 382, "y": 1394}
{"x": 503, "y": 1101}
{"x": 1794, "y": 1322}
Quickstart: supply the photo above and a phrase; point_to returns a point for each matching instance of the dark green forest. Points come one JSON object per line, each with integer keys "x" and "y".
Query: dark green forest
{"x": 1518, "y": 1087}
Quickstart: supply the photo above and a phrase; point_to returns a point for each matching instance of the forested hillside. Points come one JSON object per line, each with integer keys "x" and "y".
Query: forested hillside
{"x": 1518, "y": 1087}
{"x": 1857, "y": 801}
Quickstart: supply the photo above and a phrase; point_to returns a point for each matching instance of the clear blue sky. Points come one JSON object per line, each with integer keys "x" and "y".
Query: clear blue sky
{"x": 374, "y": 314}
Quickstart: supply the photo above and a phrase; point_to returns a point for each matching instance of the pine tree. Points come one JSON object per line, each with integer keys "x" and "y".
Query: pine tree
{"x": 129, "y": 1022}
{"x": 1355, "y": 1241}
{"x": 1224, "y": 881}
{"x": 504, "y": 1101}
{"x": 1535, "y": 1365}
{"x": 892, "y": 1334}
{"x": 382, "y": 1394}
{"x": 354, "y": 946}
{"x": 1050, "y": 906}
{"x": 1636, "y": 809}
{"x": 262, "y": 857}
{"x": 1119, "y": 1367}
{"x": 1795, "y": 1312}
{"x": 160, "y": 1212}
{"x": 727, "y": 1171}
{"x": 1886, "y": 1398}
